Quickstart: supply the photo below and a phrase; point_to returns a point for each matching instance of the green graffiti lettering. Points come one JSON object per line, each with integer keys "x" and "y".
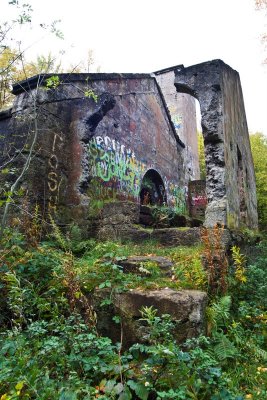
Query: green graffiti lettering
{"x": 113, "y": 163}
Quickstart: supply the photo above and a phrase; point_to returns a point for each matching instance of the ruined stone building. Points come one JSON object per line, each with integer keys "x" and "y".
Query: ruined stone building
{"x": 102, "y": 138}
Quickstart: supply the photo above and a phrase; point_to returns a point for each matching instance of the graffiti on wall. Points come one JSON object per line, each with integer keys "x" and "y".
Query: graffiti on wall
{"x": 116, "y": 166}
{"x": 177, "y": 197}
{"x": 53, "y": 177}
{"x": 197, "y": 198}
{"x": 116, "y": 173}
{"x": 176, "y": 118}
{"x": 177, "y": 121}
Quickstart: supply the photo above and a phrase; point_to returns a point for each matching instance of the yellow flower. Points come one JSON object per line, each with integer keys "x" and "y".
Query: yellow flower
{"x": 19, "y": 385}
{"x": 262, "y": 369}
{"x": 248, "y": 396}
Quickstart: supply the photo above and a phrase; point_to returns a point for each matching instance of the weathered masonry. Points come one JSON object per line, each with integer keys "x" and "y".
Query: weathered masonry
{"x": 102, "y": 138}
{"x": 230, "y": 181}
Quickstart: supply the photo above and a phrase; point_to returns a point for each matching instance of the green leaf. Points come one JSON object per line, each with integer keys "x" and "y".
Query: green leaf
{"x": 119, "y": 388}
{"x": 126, "y": 394}
{"x": 116, "y": 319}
{"x": 109, "y": 255}
{"x": 104, "y": 284}
{"x": 109, "y": 386}
{"x": 140, "y": 389}
{"x": 105, "y": 302}
{"x": 120, "y": 258}
{"x": 53, "y": 82}
{"x": 68, "y": 395}
{"x": 91, "y": 94}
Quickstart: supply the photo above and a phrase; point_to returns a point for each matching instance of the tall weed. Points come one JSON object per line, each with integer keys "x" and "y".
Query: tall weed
{"x": 215, "y": 259}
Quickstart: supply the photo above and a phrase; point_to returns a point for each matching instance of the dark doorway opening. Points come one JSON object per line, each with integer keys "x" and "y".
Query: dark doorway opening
{"x": 152, "y": 189}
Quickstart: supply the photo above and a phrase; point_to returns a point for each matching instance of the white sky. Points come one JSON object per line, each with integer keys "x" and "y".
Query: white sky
{"x": 147, "y": 35}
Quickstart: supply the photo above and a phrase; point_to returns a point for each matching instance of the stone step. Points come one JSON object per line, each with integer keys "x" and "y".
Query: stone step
{"x": 137, "y": 265}
{"x": 165, "y": 236}
{"x": 147, "y": 218}
{"x": 176, "y": 236}
{"x": 185, "y": 307}
{"x": 121, "y": 220}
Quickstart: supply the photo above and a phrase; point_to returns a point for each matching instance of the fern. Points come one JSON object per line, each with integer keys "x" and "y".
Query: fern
{"x": 224, "y": 349}
{"x": 219, "y": 313}
{"x": 257, "y": 352}
{"x": 58, "y": 236}
{"x": 14, "y": 297}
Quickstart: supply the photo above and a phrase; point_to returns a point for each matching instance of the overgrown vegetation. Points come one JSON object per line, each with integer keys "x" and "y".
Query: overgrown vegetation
{"x": 201, "y": 153}
{"x": 49, "y": 344}
{"x": 50, "y": 347}
{"x": 259, "y": 152}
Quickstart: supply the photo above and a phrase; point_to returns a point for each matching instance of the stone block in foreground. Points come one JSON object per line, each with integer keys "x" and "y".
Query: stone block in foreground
{"x": 186, "y": 308}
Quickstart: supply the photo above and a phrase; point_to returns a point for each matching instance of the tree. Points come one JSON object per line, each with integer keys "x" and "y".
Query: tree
{"x": 13, "y": 68}
{"x": 6, "y": 27}
{"x": 13, "y": 65}
{"x": 262, "y": 5}
{"x": 22, "y": 153}
{"x": 86, "y": 65}
{"x": 9, "y": 58}
{"x": 201, "y": 154}
{"x": 259, "y": 152}
{"x": 8, "y": 69}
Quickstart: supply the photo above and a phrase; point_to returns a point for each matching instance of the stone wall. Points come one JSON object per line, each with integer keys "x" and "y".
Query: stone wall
{"x": 96, "y": 136}
{"x": 90, "y": 151}
{"x": 240, "y": 176}
{"x": 230, "y": 180}
{"x": 182, "y": 109}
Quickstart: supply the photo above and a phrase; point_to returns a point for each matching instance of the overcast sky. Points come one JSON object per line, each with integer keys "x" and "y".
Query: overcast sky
{"x": 147, "y": 35}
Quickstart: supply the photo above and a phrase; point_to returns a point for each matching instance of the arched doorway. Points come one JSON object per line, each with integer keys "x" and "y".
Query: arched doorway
{"x": 152, "y": 189}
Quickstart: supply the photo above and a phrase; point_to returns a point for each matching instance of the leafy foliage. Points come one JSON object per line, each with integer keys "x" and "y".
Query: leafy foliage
{"x": 189, "y": 270}
{"x": 53, "y": 82}
{"x": 215, "y": 260}
{"x": 201, "y": 153}
{"x": 219, "y": 313}
{"x": 239, "y": 264}
{"x": 14, "y": 68}
{"x": 50, "y": 349}
{"x": 259, "y": 152}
